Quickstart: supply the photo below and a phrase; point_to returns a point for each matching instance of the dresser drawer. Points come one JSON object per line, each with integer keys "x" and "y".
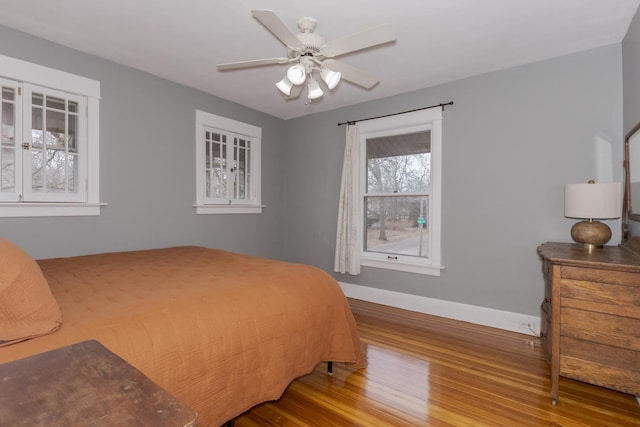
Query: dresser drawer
{"x": 604, "y": 375}
{"x": 618, "y": 299}
{"x": 621, "y": 358}
{"x": 601, "y": 276}
{"x": 611, "y": 330}
{"x": 603, "y": 363}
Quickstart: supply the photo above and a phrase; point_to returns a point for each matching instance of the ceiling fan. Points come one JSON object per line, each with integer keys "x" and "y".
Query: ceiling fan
{"x": 309, "y": 52}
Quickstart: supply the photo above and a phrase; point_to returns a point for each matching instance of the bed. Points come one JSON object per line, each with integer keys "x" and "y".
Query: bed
{"x": 220, "y": 331}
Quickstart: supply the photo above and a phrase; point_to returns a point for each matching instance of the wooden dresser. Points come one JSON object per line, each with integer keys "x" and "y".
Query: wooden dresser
{"x": 591, "y": 315}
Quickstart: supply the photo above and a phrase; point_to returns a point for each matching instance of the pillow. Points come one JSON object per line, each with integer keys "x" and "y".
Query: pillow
{"x": 27, "y": 307}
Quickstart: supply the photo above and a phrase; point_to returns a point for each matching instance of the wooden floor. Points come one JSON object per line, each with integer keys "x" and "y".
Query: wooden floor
{"x": 424, "y": 370}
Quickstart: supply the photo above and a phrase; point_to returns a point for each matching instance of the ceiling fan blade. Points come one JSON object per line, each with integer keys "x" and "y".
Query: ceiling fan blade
{"x": 352, "y": 74}
{"x": 357, "y": 41}
{"x": 253, "y": 63}
{"x": 274, "y": 24}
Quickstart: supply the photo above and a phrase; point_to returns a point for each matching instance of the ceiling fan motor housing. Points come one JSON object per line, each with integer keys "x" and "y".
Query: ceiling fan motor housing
{"x": 312, "y": 42}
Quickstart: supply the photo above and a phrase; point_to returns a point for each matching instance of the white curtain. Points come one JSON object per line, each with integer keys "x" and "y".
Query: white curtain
{"x": 347, "y": 258}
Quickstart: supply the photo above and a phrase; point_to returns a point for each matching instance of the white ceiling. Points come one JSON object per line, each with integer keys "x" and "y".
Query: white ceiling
{"x": 437, "y": 40}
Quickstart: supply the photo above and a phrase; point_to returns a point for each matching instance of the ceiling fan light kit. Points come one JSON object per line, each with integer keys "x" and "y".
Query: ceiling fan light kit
{"x": 309, "y": 52}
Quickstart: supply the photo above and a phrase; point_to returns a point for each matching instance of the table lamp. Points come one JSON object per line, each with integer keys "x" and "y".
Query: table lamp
{"x": 591, "y": 201}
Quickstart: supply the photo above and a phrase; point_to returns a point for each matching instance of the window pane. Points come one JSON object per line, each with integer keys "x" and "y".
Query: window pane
{"x": 56, "y": 165}
{"x": 399, "y": 163}
{"x": 8, "y": 122}
{"x": 57, "y": 103}
{"x": 55, "y": 128}
{"x": 37, "y": 170}
{"x": 8, "y": 93}
{"x": 37, "y": 99}
{"x": 72, "y": 173}
{"x": 242, "y": 158}
{"x": 397, "y": 225}
{"x": 241, "y": 185}
{"x": 36, "y": 127}
{"x": 216, "y": 154}
{"x": 207, "y": 155}
{"x": 73, "y": 133}
{"x": 7, "y": 163}
{"x": 208, "y": 184}
{"x": 219, "y": 184}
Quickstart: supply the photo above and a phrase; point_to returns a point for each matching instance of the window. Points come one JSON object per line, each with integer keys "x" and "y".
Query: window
{"x": 400, "y": 191}
{"x": 227, "y": 165}
{"x": 49, "y": 149}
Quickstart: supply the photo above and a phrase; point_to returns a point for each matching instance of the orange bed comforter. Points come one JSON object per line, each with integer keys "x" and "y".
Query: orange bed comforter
{"x": 220, "y": 331}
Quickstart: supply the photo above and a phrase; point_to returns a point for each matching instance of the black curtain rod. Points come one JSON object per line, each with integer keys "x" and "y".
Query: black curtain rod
{"x": 353, "y": 122}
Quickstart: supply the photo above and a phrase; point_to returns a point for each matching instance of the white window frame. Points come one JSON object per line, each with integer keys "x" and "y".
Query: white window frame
{"x": 417, "y": 121}
{"x": 28, "y": 73}
{"x": 204, "y": 205}
{"x": 6, "y": 196}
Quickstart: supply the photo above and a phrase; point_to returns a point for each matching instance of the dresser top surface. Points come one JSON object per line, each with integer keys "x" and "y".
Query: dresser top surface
{"x": 607, "y": 257}
{"x": 85, "y": 384}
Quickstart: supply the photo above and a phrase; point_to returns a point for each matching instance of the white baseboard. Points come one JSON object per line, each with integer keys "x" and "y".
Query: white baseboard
{"x": 506, "y": 320}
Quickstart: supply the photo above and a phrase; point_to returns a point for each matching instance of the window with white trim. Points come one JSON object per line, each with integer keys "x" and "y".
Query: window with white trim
{"x": 49, "y": 152}
{"x": 227, "y": 165}
{"x": 400, "y": 172}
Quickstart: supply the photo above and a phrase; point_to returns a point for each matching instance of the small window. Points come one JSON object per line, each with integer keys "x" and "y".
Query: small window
{"x": 49, "y": 148}
{"x": 227, "y": 165}
{"x": 400, "y": 192}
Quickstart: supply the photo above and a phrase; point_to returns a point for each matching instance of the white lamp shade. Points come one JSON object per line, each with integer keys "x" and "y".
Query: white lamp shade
{"x": 314, "y": 89}
{"x": 285, "y": 86}
{"x": 297, "y": 74}
{"x": 330, "y": 77}
{"x": 592, "y": 201}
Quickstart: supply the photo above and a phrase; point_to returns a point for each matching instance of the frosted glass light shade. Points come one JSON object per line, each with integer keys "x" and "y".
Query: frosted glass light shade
{"x": 314, "y": 89}
{"x": 592, "y": 201}
{"x": 297, "y": 74}
{"x": 330, "y": 77}
{"x": 285, "y": 86}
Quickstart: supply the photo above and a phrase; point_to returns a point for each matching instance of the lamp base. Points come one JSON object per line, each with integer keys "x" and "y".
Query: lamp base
{"x": 591, "y": 233}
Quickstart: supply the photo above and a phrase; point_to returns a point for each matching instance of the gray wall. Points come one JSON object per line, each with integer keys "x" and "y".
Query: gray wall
{"x": 510, "y": 142}
{"x": 147, "y": 155}
{"x": 631, "y": 73}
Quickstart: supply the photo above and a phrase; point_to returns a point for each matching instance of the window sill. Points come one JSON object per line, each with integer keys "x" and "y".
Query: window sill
{"x": 25, "y": 209}
{"x": 228, "y": 209}
{"x": 418, "y": 268}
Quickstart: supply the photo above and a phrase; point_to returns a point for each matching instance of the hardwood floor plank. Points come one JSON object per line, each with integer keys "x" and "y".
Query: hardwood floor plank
{"x": 429, "y": 371}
